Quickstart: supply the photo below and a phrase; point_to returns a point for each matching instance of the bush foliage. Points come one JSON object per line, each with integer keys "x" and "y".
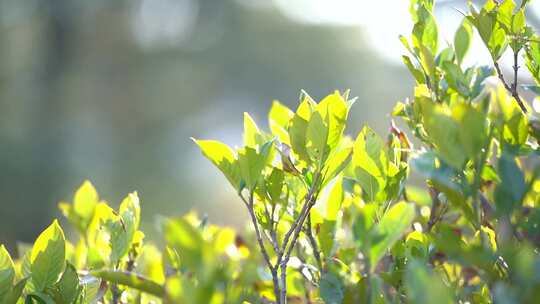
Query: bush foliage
{"x": 333, "y": 218}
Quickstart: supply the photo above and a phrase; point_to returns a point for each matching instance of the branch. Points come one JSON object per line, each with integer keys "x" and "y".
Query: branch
{"x": 273, "y": 270}
{"x": 515, "y": 85}
{"x": 434, "y": 208}
{"x": 501, "y": 76}
{"x": 249, "y": 205}
{"x": 285, "y": 252}
{"x": 512, "y": 89}
{"x": 313, "y": 242}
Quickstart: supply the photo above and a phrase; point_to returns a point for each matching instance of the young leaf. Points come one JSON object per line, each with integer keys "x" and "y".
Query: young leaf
{"x": 252, "y": 162}
{"x": 336, "y": 163}
{"x": 279, "y": 119}
{"x": 316, "y": 137}
{"x": 392, "y": 226}
{"x": 80, "y": 213}
{"x": 222, "y": 157}
{"x": 333, "y": 109}
{"x": 462, "y": 40}
{"x": 298, "y": 127}
{"x": 370, "y": 163}
{"x": 85, "y": 200}
{"x": 48, "y": 257}
{"x": 252, "y": 135}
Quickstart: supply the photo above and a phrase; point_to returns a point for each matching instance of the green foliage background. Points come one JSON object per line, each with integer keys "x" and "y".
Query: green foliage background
{"x": 333, "y": 218}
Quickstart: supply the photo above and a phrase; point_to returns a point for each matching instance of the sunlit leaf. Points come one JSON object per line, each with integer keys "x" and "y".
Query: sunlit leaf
{"x": 48, "y": 257}
{"x": 7, "y": 272}
{"x": 391, "y": 227}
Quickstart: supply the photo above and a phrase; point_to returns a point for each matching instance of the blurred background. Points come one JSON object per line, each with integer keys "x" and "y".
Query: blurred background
{"x": 111, "y": 91}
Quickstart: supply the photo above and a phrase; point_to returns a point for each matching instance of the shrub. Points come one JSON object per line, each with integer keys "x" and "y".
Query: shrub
{"x": 335, "y": 219}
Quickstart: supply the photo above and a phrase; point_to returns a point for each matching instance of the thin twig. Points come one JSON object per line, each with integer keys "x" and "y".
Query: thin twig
{"x": 512, "y": 89}
{"x": 313, "y": 243}
{"x": 515, "y": 85}
{"x": 287, "y": 247}
{"x": 273, "y": 269}
{"x": 309, "y": 203}
{"x": 435, "y": 202}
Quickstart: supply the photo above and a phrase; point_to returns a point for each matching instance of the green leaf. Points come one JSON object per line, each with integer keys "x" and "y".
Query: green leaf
{"x": 252, "y": 135}
{"x": 222, "y": 157}
{"x": 519, "y": 22}
{"x": 39, "y": 297}
{"x": 131, "y": 207}
{"x": 48, "y": 257}
{"x": 68, "y": 286}
{"x": 187, "y": 241}
{"x": 392, "y": 226}
{"x": 510, "y": 191}
{"x": 334, "y": 110}
{"x": 370, "y": 163}
{"x": 274, "y": 184}
{"x": 363, "y": 223}
{"x": 331, "y": 289}
{"x": 85, "y": 200}
{"x": 122, "y": 228}
{"x": 298, "y": 127}
{"x": 329, "y": 207}
{"x": 15, "y": 292}
{"x": 417, "y": 73}
{"x": 505, "y": 13}
{"x": 425, "y": 32}
{"x": 252, "y": 162}
{"x": 473, "y": 128}
{"x": 92, "y": 290}
{"x": 279, "y": 119}
{"x": 132, "y": 280}
{"x": 425, "y": 287}
{"x": 455, "y": 78}
{"x": 316, "y": 137}
{"x": 508, "y": 117}
{"x": 462, "y": 40}
{"x": 443, "y": 131}
{"x": 7, "y": 272}
{"x": 81, "y": 212}
{"x": 337, "y": 163}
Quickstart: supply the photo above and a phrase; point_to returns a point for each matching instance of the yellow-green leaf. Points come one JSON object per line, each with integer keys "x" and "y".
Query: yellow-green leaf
{"x": 334, "y": 109}
{"x": 48, "y": 257}
{"x": 252, "y": 135}
{"x": 85, "y": 200}
{"x": 443, "y": 131}
{"x": 317, "y": 137}
{"x": 7, "y": 272}
{"x": 186, "y": 241}
{"x": 222, "y": 157}
{"x": 279, "y": 118}
{"x": 391, "y": 227}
